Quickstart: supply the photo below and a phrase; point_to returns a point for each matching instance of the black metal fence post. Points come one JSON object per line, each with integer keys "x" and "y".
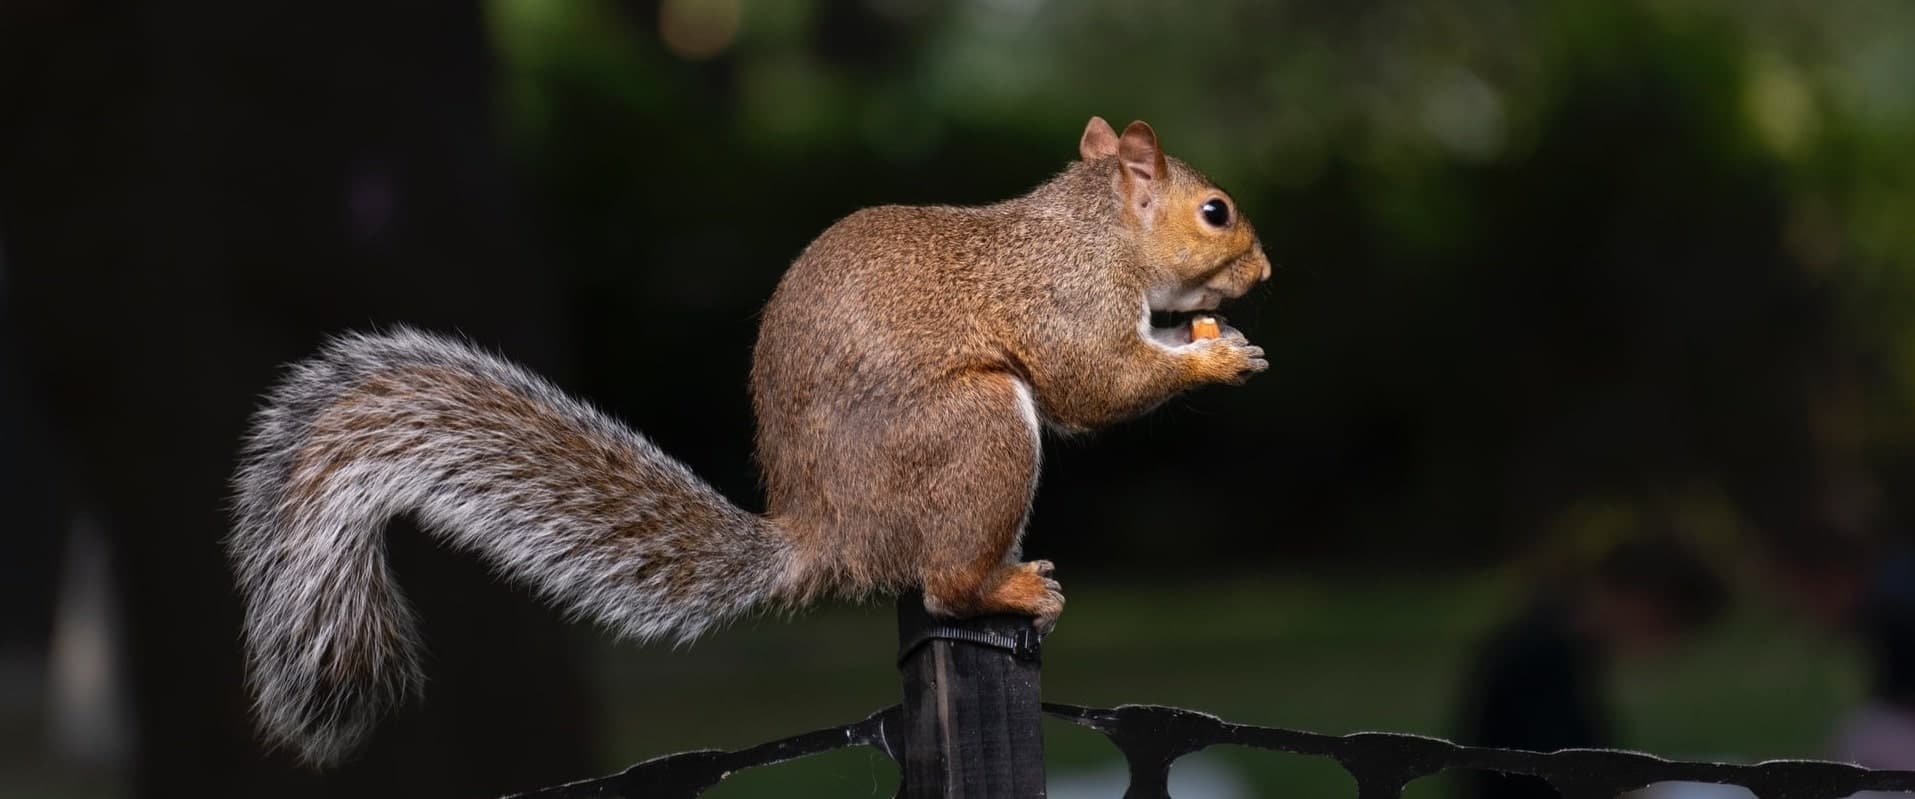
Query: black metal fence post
{"x": 973, "y": 726}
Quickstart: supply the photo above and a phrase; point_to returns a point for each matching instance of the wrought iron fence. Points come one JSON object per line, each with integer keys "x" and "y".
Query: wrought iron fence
{"x": 969, "y": 727}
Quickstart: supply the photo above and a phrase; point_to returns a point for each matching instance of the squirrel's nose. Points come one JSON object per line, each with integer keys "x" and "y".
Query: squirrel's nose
{"x": 1265, "y": 259}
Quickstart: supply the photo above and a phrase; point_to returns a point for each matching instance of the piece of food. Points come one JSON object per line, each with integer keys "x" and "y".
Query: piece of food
{"x": 1203, "y": 327}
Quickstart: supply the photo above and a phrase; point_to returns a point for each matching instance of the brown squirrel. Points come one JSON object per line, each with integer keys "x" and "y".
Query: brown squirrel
{"x": 903, "y": 371}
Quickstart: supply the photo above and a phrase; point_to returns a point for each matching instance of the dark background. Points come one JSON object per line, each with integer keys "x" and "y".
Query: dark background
{"x": 1547, "y": 274}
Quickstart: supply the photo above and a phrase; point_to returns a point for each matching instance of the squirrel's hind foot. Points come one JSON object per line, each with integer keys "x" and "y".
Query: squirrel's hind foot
{"x": 1021, "y": 589}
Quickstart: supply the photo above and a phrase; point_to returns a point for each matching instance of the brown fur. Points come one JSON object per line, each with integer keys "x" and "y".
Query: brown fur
{"x": 904, "y": 370}
{"x": 890, "y": 433}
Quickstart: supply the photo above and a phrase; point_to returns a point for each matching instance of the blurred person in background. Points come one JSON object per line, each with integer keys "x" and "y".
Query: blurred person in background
{"x": 1538, "y": 682}
{"x": 1846, "y": 585}
{"x": 1869, "y": 592}
{"x": 1880, "y": 733}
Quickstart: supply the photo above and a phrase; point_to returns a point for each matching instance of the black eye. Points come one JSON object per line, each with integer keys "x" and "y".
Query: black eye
{"x": 1216, "y": 212}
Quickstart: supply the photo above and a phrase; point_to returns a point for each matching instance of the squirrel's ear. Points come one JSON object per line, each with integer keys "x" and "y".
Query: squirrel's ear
{"x": 1099, "y": 140}
{"x": 1143, "y": 159}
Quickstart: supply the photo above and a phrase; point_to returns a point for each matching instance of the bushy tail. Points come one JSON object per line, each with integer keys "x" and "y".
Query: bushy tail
{"x": 489, "y": 457}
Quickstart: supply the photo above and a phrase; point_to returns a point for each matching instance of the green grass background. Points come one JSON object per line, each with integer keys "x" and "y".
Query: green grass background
{"x": 1321, "y": 653}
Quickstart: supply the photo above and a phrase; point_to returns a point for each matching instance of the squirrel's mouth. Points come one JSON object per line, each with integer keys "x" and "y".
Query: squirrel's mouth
{"x": 1171, "y": 327}
{"x": 1171, "y": 320}
{"x": 1171, "y": 306}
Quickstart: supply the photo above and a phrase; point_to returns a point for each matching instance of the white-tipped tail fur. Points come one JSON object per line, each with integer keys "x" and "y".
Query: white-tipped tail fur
{"x": 492, "y": 459}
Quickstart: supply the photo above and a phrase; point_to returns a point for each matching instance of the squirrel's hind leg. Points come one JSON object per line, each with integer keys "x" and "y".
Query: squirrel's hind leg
{"x": 983, "y": 453}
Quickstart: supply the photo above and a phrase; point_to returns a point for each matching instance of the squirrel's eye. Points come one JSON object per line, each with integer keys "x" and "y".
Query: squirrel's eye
{"x": 1216, "y": 212}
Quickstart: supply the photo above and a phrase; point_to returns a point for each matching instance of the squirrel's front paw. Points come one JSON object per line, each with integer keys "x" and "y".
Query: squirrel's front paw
{"x": 1230, "y": 358}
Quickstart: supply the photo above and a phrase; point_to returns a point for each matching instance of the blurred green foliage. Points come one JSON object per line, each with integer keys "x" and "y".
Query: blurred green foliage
{"x": 1330, "y": 654}
{"x": 1652, "y": 253}
{"x": 1548, "y": 274}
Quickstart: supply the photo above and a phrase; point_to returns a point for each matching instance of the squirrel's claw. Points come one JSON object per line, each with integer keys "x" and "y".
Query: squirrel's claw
{"x": 1046, "y": 618}
{"x": 1231, "y": 358}
{"x": 1050, "y": 604}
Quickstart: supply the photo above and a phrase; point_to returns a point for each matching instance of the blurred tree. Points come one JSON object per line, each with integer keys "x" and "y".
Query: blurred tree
{"x": 1529, "y": 254}
{"x": 192, "y": 195}
{"x": 1533, "y": 252}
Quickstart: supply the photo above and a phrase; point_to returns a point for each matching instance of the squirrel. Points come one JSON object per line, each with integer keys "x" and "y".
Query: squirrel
{"x": 905, "y": 368}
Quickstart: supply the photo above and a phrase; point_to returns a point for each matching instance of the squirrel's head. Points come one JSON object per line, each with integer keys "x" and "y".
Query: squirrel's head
{"x": 1196, "y": 245}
